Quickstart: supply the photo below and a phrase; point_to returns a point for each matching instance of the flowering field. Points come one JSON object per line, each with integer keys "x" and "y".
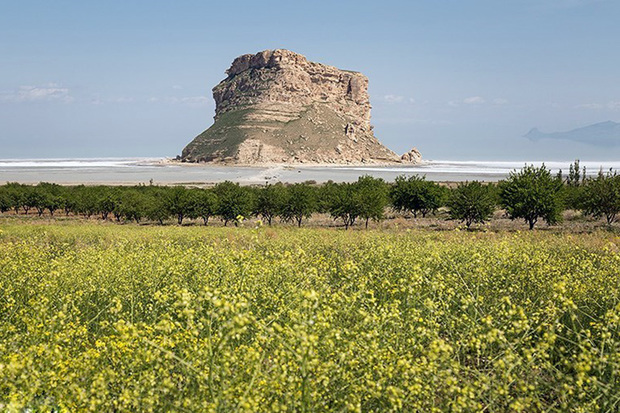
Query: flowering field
{"x": 128, "y": 318}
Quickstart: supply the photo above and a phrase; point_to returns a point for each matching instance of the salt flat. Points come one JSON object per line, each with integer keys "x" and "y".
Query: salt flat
{"x": 133, "y": 171}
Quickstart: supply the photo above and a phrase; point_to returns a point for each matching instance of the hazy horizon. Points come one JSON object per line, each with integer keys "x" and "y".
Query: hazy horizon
{"x": 458, "y": 80}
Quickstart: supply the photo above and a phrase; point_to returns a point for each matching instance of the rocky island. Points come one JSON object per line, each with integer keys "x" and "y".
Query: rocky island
{"x": 277, "y": 107}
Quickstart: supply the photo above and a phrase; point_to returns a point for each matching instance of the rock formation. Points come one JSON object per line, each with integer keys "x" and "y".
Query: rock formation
{"x": 277, "y": 107}
{"x": 413, "y": 156}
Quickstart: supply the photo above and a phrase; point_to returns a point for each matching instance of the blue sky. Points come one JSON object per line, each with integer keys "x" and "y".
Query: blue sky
{"x": 459, "y": 79}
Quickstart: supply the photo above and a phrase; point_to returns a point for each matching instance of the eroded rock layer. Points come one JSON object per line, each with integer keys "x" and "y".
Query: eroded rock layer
{"x": 277, "y": 107}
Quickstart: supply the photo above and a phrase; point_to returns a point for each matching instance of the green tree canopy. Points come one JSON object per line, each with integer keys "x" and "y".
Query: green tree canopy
{"x": 205, "y": 204}
{"x": 416, "y": 195}
{"x": 530, "y": 194}
{"x": 270, "y": 201}
{"x": 602, "y": 197}
{"x": 301, "y": 203}
{"x": 471, "y": 202}
{"x": 233, "y": 201}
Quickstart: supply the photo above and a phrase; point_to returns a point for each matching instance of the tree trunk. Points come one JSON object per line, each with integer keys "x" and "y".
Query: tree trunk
{"x": 180, "y": 219}
{"x": 367, "y": 222}
{"x": 610, "y": 218}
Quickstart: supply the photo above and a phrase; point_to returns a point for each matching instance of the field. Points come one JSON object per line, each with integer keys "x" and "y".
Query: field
{"x": 131, "y": 318}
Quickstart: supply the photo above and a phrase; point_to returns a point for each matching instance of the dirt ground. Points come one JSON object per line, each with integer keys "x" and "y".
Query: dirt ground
{"x": 573, "y": 222}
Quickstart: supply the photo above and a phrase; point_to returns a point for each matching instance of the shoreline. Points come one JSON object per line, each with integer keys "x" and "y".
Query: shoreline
{"x": 168, "y": 171}
{"x": 174, "y": 162}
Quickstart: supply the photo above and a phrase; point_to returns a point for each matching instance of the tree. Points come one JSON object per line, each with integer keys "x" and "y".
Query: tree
{"x": 573, "y": 190}
{"x": 270, "y": 201}
{"x": 344, "y": 203}
{"x": 416, "y": 195}
{"x": 373, "y": 197}
{"x": 5, "y": 202}
{"x": 205, "y": 204}
{"x": 574, "y": 171}
{"x": 156, "y": 205}
{"x": 602, "y": 197}
{"x": 15, "y": 195}
{"x": 530, "y": 194}
{"x": 471, "y": 202}
{"x": 35, "y": 199}
{"x": 85, "y": 200}
{"x": 365, "y": 198}
{"x": 105, "y": 200}
{"x": 132, "y": 205}
{"x": 53, "y": 196}
{"x": 233, "y": 201}
{"x": 301, "y": 203}
{"x": 180, "y": 202}
{"x": 68, "y": 200}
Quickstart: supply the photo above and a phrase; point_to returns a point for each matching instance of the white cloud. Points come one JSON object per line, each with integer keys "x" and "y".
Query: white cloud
{"x": 122, "y": 99}
{"x": 187, "y": 100}
{"x": 411, "y": 121}
{"x": 474, "y": 100}
{"x": 563, "y": 4}
{"x": 612, "y": 105}
{"x": 615, "y": 105}
{"x": 393, "y": 98}
{"x": 193, "y": 100}
{"x": 590, "y": 106}
{"x": 50, "y": 92}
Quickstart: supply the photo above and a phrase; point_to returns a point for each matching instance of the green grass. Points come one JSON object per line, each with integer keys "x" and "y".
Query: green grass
{"x": 128, "y": 318}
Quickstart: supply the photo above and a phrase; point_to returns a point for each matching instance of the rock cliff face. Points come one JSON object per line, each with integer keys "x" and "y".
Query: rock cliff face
{"x": 277, "y": 107}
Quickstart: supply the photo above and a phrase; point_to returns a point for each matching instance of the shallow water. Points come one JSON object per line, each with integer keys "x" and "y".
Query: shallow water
{"x": 129, "y": 171}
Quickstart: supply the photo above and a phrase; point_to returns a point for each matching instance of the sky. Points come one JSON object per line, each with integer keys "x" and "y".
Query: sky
{"x": 458, "y": 79}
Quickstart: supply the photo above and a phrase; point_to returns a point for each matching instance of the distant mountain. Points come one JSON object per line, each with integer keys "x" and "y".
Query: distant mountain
{"x": 600, "y": 134}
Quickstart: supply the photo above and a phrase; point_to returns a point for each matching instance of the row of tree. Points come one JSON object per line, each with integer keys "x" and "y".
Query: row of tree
{"x": 531, "y": 194}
